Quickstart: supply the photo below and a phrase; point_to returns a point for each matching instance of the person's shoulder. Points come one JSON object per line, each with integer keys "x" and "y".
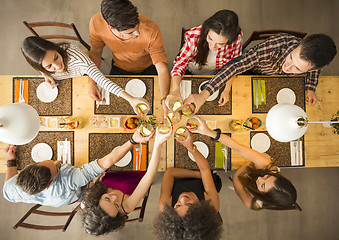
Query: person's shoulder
{"x": 147, "y": 23}
{"x": 284, "y": 38}
{"x": 97, "y": 17}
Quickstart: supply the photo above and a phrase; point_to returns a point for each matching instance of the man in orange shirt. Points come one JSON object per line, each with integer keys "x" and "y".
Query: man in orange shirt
{"x": 135, "y": 41}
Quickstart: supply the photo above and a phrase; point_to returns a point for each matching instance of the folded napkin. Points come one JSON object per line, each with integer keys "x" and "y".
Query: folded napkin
{"x": 64, "y": 150}
{"x": 185, "y": 88}
{"x": 104, "y": 95}
{"x": 263, "y": 92}
{"x": 296, "y": 153}
{"x": 143, "y": 164}
{"x": 218, "y": 163}
{"x": 17, "y": 90}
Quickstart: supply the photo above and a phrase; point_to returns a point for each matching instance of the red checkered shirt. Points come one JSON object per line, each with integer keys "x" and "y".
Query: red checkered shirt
{"x": 268, "y": 58}
{"x": 189, "y": 50}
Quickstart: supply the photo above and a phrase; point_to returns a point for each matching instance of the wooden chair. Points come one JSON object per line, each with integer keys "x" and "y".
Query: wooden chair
{"x": 77, "y": 36}
{"x": 183, "y": 32}
{"x": 141, "y": 209}
{"x": 34, "y": 210}
{"x": 261, "y": 35}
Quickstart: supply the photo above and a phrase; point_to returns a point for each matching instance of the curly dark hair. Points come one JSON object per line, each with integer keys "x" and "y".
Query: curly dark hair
{"x": 95, "y": 220}
{"x": 201, "y": 222}
{"x": 34, "y": 178}
{"x": 318, "y": 49}
{"x": 120, "y": 14}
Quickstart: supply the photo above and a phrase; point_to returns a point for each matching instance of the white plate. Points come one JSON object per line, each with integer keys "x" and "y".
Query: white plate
{"x": 125, "y": 160}
{"x": 260, "y": 142}
{"x": 136, "y": 88}
{"x": 213, "y": 96}
{"x": 45, "y": 93}
{"x": 41, "y": 152}
{"x": 203, "y": 149}
{"x": 286, "y": 96}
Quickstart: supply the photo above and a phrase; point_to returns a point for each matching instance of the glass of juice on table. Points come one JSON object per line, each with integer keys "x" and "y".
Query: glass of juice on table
{"x": 164, "y": 127}
{"x": 174, "y": 117}
{"x": 146, "y": 130}
{"x": 174, "y": 104}
{"x": 71, "y": 123}
{"x": 181, "y": 133}
{"x": 188, "y": 109}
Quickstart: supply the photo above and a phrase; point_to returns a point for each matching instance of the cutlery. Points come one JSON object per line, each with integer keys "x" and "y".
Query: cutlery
{"x": 295, "y": 153}
{"x": 136, "y": 158}
{"x": 66, "y": 151}
{"x": 224, "y": 157}
{"x": 262, "y": 100}
{"x": 256, "y": 94}
{"x": 298, "y": 152}
{"x": 21, "y": 91}
{"x": 140, "y": 155}
{"x": 61, "y": 151}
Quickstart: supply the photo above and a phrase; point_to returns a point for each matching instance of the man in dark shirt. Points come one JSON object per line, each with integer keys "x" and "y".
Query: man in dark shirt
{"x": 282, "y": 54}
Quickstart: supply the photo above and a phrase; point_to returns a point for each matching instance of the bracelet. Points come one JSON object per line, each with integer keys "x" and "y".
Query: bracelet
{"x": 11, "y": 163}
{"x": 132, "y": 141}
{"x": 194, "y": 148}
{"x": 218, "y": 135}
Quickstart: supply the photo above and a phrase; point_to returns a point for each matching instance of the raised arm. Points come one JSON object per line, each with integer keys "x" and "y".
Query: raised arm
{"x": 205, "y": 171}
{"x": 95, "y": 54}
{"x": 12, "y": 170}
{"x": 168, "y": 180}
{"x": 259, "y": 160}
{"x": 152, "y": 169}
{"x": 118, "y": 153}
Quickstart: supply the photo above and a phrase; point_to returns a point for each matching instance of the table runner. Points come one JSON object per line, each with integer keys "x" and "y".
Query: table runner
{"x": 24, "y": 157}
{"x": 101, "y": 144}
{"x": 119, "y": 106}
{"x": 61, "y": 106}
{"x": 273, "y": 86}
{"x": 280, "y": 152}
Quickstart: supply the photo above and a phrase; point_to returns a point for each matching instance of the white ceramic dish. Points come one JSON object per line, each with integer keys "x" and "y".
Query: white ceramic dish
{"x": 203, "y": 149}
{"x": 213, "y": 96}
{"x": 125, "y": 160}
{"x": 45, "y": 93}
{"x": 260, "y": 142}
{"x": 286, "y": 96}
{"x": 136, "y": 88}
{"x": 41, "y": 152}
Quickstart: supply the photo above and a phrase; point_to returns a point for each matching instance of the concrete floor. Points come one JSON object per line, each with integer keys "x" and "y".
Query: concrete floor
{"x": 318, "y": 192}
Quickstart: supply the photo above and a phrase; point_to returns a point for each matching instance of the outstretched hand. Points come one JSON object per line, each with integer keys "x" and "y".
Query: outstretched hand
{"x": 188, "y": 142}
{"x": 161, "y": 138}
{"x": 10, "y": 152}
{"x": 134, "y": 101}
{"x": 197, "y": 99}
{"x": 94, "y": 92}
{"x": 224, "y": 98}
{"x": 203, "y": 128}
{"x": 311, "y": 98}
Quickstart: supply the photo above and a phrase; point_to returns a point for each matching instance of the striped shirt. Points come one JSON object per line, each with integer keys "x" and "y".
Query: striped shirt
{"x": 189, "y": 51}
{"x": 80, "y": 64}
{"x": 268, "y": 58}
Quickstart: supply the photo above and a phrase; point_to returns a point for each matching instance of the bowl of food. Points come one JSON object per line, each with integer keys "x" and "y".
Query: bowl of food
{"x": 256, "y": 122}
{"x": 131, "y": 123}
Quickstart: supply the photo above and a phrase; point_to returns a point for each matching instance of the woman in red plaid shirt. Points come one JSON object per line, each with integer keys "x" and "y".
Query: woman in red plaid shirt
{"x": 207, "y": 48}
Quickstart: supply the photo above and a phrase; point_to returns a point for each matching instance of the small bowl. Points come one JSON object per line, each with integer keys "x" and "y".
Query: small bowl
{"x": 260, "y": 125}
{"x": 125, "y": 123}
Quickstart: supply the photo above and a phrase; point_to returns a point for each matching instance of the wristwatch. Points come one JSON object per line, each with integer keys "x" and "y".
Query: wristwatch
{"x": 11, "y": 163}
{"x": 194, "y": 148}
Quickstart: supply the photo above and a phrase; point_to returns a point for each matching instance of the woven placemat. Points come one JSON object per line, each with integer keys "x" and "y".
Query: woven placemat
{"x": 101, "y": 144}
{"x": 280, "y": 152}
{"x": 212, "y": 107}
{"x": 182, "y": 160}
{"x": 119, "y": 106}
{"x": 24, "y": 157}
{"x": 273, "y": 86}
{"x": 61, "y": 106}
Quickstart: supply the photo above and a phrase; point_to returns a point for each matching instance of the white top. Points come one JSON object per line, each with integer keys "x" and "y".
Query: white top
{"x": 80, "y": 64}
{"x": 208, "y": 69}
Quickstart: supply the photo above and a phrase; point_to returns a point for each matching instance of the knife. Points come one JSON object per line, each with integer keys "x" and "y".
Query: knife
{"x": 140, "y": 156}
{"x": 256, "y": 94}
{"x": 262, "y": 100}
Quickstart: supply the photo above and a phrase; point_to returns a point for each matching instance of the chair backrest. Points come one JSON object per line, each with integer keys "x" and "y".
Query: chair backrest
{"x": 261, "y": 35}
{"x": 34, "y": 210}
{"x": 183, "y": 32}
{"x": 141, "y": 209}
{"x": 75, "y": 37}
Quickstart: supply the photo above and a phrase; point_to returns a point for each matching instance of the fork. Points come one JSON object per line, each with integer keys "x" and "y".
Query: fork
{"x": 61, "y": 144}
{"x": 224, "y": 157}
{"x": 21, "y": 92}
{"x": 136, "y": 158}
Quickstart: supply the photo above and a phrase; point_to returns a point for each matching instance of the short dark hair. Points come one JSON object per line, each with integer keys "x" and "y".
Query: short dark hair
{"x": 201, "y": 222}
{"x": 120, "y": 14}
{"x": 318, "y": 49}
{"x": 225, "y": 23}
{"x": 34, "y": 178}
{"x": 34, "y": 50}
{"x": 95, "y": 220}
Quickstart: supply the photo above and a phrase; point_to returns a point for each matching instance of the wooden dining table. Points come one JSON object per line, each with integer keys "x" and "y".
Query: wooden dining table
{"x": 321, "y": 145}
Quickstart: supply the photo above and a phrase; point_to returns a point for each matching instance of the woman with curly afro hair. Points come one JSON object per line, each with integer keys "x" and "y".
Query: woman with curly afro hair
{"x": 189, "y": 201}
